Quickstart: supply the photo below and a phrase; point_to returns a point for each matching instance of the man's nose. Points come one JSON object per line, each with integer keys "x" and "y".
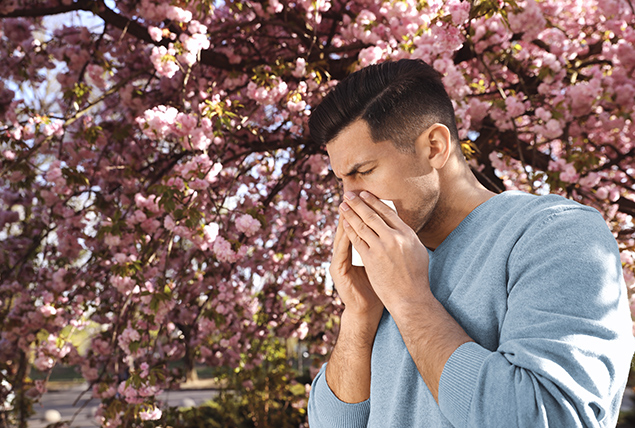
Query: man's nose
{"x": 351, "y": 187}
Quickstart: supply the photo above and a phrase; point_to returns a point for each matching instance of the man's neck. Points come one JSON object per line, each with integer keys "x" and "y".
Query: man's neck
{"x": 456, "y": 202}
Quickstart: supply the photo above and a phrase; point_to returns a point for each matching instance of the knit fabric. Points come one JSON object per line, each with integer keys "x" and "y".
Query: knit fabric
{"x": 536, "y": 281}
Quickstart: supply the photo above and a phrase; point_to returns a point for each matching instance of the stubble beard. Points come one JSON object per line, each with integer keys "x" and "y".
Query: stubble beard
{"x": 431, "y": 210}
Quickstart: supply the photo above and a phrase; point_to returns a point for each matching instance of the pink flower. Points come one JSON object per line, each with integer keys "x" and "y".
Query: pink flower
{"x": 210, "y": 232}
{"x": 590, "y": 180}
{"x": 602, "y": 192}
{"x": 247, "y": 224}
{"x": 460, "y": 11}
{"x": 163, "y": 61}
{"x": 43, "y": 363}
{"x": 370, "y": 55}
{"x": 151, "y": 414}
{"x": 48, "y": 310}
{"x": 530, "y": 21}
{"x": 199, "y": 140}
{"x": 196, "y": 27}
{"x": 223, "y": 250}
{"x": 184, "y": 124}
{"x": 514, "y": 105}
{"x": 130, "y": 335}
{"x": 158, "y": 122}
{"x": 213, "y": 172}
{"x": 296, "y": 106}
{"x": 300, "y": 68}
{"x": 129, "y": 393}
{"x": 155, "y": 33}
{"x": 144, "y": 369}
{"x": 168, "y": 223}
{"x": 569, "y": 174}
{"x": 112, "y": 240}
{"x": 177, "y": 14}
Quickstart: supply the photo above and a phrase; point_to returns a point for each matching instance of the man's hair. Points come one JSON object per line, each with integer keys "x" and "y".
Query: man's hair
{"x": 397, "y": 99}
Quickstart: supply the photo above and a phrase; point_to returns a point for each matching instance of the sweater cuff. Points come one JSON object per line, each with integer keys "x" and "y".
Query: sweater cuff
{"x": 329, "y": 411}
{"x": 458, "y": 381}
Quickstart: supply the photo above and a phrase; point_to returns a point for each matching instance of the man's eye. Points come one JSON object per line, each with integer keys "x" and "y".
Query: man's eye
{"x": 366, "y": 172}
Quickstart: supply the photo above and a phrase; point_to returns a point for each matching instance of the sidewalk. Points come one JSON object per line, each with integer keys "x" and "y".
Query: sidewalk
{"x": 62, "y": 401}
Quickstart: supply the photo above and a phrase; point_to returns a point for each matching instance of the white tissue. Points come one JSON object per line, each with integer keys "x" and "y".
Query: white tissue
{"x": 357, "y": 259}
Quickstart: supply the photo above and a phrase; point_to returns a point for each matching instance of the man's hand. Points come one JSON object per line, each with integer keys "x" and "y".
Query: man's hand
{"x": 348, "y": 371}
{"x": 352, "y": 282}
{"x": 397, "y": 267}
{"x": 396, "y": 261}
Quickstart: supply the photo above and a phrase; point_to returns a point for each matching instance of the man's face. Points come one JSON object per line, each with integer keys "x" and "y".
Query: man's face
{"x": 388, "y": 173}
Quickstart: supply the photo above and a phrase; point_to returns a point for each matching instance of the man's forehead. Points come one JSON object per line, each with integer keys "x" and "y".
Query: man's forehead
{"x": 350, "y": 159}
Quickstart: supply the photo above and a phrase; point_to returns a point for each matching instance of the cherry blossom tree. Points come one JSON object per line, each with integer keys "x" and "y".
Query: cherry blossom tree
{"x": 166, "y": 196}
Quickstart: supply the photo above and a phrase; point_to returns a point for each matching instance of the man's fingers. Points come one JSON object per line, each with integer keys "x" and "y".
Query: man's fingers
{"x": 388, "y": 213}
{"x": 368, "y": 224}
{"x": 358, "y": 232}
{"x": 341, "y": 245}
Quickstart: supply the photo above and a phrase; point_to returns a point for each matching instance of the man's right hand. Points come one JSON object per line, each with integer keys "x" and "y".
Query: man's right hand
{"x": 352, "y": 284}
{"x": 348, "y": 370}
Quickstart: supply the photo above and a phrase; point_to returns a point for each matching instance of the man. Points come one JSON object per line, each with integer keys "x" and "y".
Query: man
{"x": 473, "y": 309}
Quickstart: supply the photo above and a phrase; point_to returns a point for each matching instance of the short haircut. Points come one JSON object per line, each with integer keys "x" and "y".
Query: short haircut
{"x": 398, "y": 100}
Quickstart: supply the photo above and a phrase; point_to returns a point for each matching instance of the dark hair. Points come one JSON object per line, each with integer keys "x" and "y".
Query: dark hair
{"x": 399, "y": 100}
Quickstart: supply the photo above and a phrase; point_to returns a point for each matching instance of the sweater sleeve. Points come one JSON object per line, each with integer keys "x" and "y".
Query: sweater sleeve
{"x": 325, "y": 410}
{"x": 566, "y": 341}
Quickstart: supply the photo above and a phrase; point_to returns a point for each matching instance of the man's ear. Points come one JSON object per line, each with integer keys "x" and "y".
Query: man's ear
{"x": 435, "y": 143}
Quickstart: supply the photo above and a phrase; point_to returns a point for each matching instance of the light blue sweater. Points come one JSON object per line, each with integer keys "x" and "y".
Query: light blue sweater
{"x": 537, "y": 283}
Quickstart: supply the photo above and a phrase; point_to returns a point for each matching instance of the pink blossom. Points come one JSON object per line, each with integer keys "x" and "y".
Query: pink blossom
{"x": 247, "y": 224}
{"x": 199, "y": 184}
{"x": 296, "y": 106}
{"x": 614, "y": 194}
{"x": 569, "y": 173}
{"x": 514, "y": 105}
{"x": 90, "y": 373}
{"x": 602, "y": 192}
{"x": 275, "y": 7}
{"x": 192, "y": 45}
{"x": 129, "y": 393}
{"x": 223, "y": 250}
{"x": 199, "y": 141}
{"x": 210, "y": 232}
{"x": 158, "y": 122}
{"x": 150, "y": 414}
{"x": 370, "y": 55}
{"x": 95, "y": 74}
{"x": 112, "y": 240}
{"x": 155, "y": 33}
{"x": 530, "y": 21}
{"x": 460, "y": 11}
{"x": 163, "y": 60}
{"x": 300, "y": 68}
{"x": 55, "y": 127}
{"x": 590, "y": 180}
{"x": 177, "y": 14}
{"x": 168, "y": 223}
{"x": 184, "y": 124}
{"x": 196, "y": 27}
{"x": 48, "y": 310}
{"x": 43, "y": 363}
{"x": 144, "y": 369}
{"x": 366, "y": 17}
{"x": 213, "y": 172}
{"x": 124, "y": 285}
